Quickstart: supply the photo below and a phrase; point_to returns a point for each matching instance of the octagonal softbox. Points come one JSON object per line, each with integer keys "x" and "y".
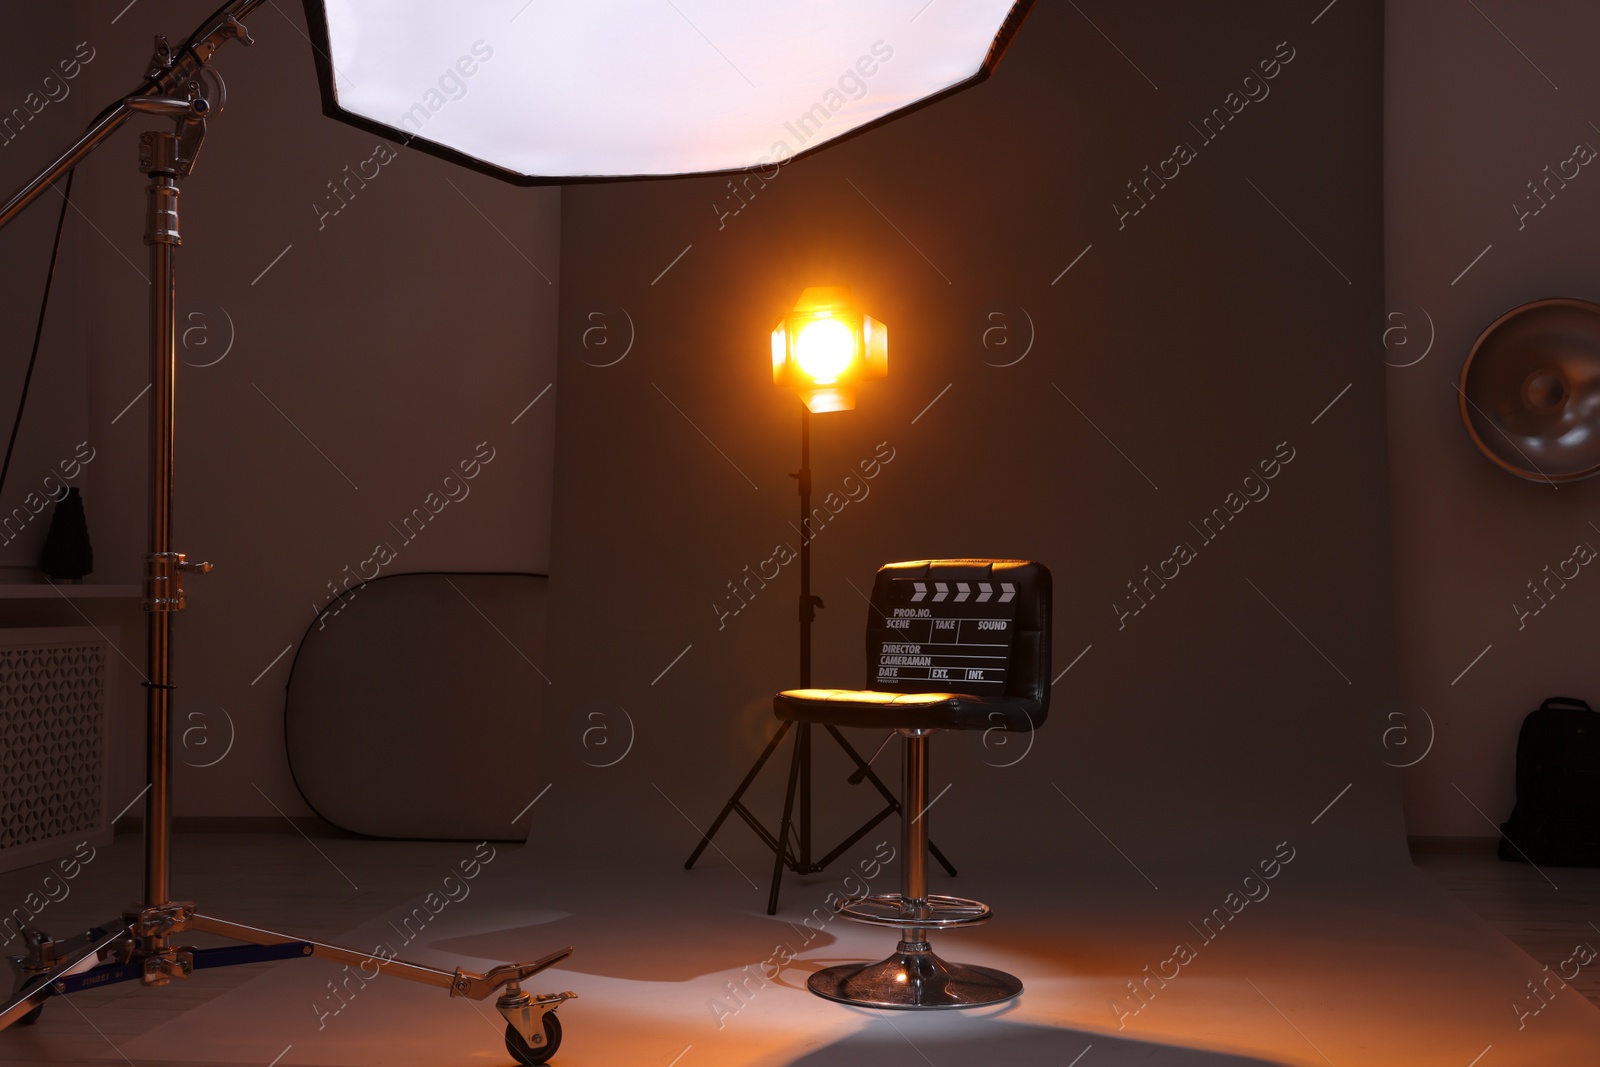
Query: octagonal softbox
{"x": 540, "y": 91}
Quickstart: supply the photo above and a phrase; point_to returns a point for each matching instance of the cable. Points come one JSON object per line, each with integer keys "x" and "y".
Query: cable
{"x": 55, "y": 251}
{"x": 38, "y": 333}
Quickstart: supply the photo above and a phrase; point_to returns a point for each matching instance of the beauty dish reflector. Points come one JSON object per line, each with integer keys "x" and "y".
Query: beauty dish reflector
{"x": 1530, "y": 391}
{"x": 543, "y": 91}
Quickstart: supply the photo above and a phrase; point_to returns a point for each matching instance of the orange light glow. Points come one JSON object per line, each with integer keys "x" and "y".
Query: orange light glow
{"x": 824, "y": 350}
{"x": 825, "y": 346}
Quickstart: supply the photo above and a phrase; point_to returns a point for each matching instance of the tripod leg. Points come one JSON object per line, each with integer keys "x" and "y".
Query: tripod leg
{"x": 784, "y": 829}
{"x": 23, "y": 1003}
{"x": 864, "y": 769}
{"x": 934, "y": 850}
{"x": 733, "y": 801}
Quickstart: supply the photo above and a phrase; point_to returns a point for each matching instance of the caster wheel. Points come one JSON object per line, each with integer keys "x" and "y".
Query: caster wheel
{"x": 522, "y": 1052}
{"x": 33, "y": 1016}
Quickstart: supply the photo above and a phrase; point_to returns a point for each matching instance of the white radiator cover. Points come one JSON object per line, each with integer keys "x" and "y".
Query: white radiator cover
{"x": 53, "y": 726}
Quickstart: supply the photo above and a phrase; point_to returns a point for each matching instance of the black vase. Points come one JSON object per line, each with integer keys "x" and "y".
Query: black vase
{"x": 67, "y": 554}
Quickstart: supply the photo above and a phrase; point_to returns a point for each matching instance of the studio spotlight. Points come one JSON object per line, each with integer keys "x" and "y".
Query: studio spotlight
{"x": 825, "y": 346}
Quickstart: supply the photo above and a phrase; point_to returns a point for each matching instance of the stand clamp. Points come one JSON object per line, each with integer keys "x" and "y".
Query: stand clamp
{"x": 173, "y": 154}
{"x": 163, "y": 579}
{"x": 162, "y": 920}
{"x": 150, "y": 928}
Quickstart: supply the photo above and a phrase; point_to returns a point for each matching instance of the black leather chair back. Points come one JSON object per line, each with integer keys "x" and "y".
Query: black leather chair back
{"x": 975, "y": 626}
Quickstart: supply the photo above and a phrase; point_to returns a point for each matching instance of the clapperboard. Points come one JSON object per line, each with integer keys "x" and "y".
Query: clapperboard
{"x": 947, "y": 636}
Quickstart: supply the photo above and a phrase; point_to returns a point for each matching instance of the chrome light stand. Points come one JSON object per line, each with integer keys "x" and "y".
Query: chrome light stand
{"x": 140, "y": 945}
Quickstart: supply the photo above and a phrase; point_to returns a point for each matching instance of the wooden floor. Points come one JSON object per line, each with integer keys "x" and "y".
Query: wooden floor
{"x": 321, "y": 885}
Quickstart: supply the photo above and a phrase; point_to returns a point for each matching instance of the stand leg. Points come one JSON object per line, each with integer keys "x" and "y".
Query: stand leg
{"x": 25, "y": 1002}
{"x": 733, "y": 801}
{"x": 933, "y": 849}
{"x": 781, "y": 852}
{"x": 799, "y": 859}
{"x": 864, "y": 771}
{"x": 68, "y": 966}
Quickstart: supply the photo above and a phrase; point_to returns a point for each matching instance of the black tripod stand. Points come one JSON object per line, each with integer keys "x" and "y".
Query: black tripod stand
{"x": 797, "y": 825}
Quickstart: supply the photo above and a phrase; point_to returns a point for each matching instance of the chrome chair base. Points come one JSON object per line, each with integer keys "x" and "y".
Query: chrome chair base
{"x": 934, "y": 912}
{"x": 914, "y": 979}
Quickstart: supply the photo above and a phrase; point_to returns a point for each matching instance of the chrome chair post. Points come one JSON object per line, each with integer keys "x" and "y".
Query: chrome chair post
{"x": 951, "y": 644}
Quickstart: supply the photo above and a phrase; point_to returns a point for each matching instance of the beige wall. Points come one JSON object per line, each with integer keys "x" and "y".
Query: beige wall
{"x": 1190, "y": 343}
{"x": 40, "y": 110}
{"x": 1473, "y": 112}
{"x": 1192, "y": 336}
{"x": 395, "y": 336}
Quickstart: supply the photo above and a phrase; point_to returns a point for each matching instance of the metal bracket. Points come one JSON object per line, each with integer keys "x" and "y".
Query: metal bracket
{"x": 163, "y": 920}
{"x": 162, "y": 60}
{"x": 173, "y": 154}
{"x": 185, "y": 64}
{"x": 41, "y": 954}
{"x": 163, "y": 579}
{"x": 230, "y": 29}
{"x": 526, "y": 1013}
{"x": 165, "y": 966}
{"x": 147, "y": 949}
{"x": 191, "y": 133}
{"x": 478, "y": 986}
{"x": 809, "y": 606}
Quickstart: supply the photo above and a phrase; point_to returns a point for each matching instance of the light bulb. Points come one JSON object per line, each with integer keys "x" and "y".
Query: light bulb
{"x": 824, "y": 349}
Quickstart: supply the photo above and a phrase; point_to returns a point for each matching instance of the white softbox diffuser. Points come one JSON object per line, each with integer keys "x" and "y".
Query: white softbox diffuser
{"x": 546, "y": 91}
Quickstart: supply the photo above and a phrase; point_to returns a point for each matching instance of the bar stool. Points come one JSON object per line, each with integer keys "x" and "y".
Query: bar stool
{"x": 960, "y": 644}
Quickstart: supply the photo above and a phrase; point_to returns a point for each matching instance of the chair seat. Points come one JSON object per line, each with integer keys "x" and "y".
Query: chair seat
{"x": 875, "y": 709}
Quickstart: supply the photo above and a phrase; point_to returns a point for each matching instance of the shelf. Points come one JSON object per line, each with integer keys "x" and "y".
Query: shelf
{"x": 43, "y": 590}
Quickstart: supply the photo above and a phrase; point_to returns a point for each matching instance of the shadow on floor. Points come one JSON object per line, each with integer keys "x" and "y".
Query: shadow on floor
{"x": 888, "y": 1041}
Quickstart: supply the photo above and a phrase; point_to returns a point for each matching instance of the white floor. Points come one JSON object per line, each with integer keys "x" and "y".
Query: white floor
{"x": 672, "y": 969}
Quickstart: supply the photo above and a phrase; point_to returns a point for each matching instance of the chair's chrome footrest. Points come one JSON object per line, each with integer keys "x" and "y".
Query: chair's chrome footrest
{"x": 936, "y": 912}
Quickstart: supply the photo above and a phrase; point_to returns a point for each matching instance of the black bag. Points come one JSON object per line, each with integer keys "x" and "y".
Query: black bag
{"x": 1557, "y": 817}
